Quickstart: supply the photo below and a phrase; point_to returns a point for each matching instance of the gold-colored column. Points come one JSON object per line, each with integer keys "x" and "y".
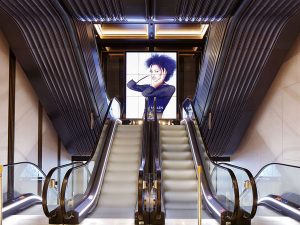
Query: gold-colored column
{"x": 199, "y": 171}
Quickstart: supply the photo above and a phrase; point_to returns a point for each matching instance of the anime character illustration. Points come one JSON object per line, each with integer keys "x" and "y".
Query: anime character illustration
{"x": 161, "y": 68}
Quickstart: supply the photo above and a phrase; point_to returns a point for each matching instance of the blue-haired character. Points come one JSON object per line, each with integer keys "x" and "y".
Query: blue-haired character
{"x": 161, "y": 68}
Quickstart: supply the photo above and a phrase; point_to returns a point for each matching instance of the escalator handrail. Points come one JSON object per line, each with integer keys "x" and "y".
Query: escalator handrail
{"x": 272, "y": 202}
{"x": 144, "y": 145}
{"x": 270, "y": 164}
{"x": 51, "y": 172}
{"x": 18, "y": 163}
{"x": 26, "y": 198}
{"x": 253, "y": 187}
{"x": 198, "y": 162}
{"x": 105, "y": 153}
{"x": 46, "y": 187}
{"x": 229, "y": 171}
{"x": 83, "y": 165}
{"x": 142, "y": 168}
{"x": 157, "y": 161}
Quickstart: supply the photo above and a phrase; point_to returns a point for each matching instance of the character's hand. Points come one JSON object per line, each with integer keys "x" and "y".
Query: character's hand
{"x": 158, "y": 82}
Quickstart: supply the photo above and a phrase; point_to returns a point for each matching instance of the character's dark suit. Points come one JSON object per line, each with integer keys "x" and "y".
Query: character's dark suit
{"x": 163, "y": 94}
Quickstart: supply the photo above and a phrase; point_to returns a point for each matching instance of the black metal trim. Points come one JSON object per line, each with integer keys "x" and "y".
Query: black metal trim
{"x": 220, "y": 158}
{"x": 40, "y": 143}
{"x": 11, "y": 123}
{"x": 80, "y": 158}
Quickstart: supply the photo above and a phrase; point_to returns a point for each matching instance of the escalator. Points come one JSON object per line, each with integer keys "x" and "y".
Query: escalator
{"x": 179, "y": 175}
{"x": 180, "y": 152}
{"x": 106, "y": 185}
{"x": 278, "y": 192}
{"x": 133, "y": 163}
{"x": 21, "y": 185}
{"x": 119, "y": 192}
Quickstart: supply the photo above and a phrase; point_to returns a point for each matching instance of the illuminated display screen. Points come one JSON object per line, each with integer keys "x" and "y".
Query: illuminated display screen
{"x": 151, "y": 74}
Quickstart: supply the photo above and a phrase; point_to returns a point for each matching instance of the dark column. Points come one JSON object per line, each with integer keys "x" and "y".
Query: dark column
{"x": 40, "y": 144}
{"x": 11, "y": 123}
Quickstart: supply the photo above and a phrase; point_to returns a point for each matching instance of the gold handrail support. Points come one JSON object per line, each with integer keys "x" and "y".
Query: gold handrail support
{"x": 1, "y": 200}
{"x": 199, "y": 171}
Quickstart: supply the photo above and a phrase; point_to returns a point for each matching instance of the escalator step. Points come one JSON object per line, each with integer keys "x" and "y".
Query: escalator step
{"x": 172, "y": 133}
{"x": 117, "y": 166}
{"x": 116, "y": 200}
{"x": 120, "y": 157}
{"x": 177, "y": 156}
{"x": 179, "y": 174}
{"x": 181, "y": 205}
{"x": 129, "y": 127}
{"x": 177, "y": 165}
{"x": 127, "y": 141}
{"x": 124, "y": 135}
{"x": 180, "y": 197}
{"x": 121, "y": 176}
{"x": 119, "y": 187}
{"x": 175, "y": 147}
{"x": 172, "y": 127}
{"x": 127, "y": 149}
{"x": 180, "y": 185}
{"x": 174, "y": 140}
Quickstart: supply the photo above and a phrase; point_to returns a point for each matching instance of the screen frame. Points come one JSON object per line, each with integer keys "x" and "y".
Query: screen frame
{"x": 125, "y": 71}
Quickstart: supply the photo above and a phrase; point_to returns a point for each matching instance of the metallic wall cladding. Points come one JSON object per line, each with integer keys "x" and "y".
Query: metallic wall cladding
{"x": 106, "y": 10}
{"x": 88, "y": 44}
{"x": 205, "y": 10}
{"x": 210, "y": 59}
{"x": 256, "y": 41}
{"x": 64, "y": 78}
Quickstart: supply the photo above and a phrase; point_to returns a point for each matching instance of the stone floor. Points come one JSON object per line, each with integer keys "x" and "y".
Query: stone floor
{"x": 36, "y": 217}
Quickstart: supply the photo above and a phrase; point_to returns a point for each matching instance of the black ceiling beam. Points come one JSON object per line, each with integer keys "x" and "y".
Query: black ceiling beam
{"x": 150, "y": 42}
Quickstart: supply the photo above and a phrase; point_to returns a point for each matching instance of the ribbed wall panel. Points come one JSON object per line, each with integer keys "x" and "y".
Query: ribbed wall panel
{"x": 210, "y": 59}
{"x": 96, "y": 10}
{"x": 205, "y": 10}
{"x": 91, "y": 56}
{"x": 254, "y": 36}
{"x": 66, "y": 87}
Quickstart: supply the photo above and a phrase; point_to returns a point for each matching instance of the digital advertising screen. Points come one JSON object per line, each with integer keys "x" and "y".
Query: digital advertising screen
{"x": 151, "y": 74}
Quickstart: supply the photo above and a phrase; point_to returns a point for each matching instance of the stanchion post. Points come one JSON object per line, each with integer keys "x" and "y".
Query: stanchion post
{"x": 1, "y": 194}
{"x": 199, "y": 171}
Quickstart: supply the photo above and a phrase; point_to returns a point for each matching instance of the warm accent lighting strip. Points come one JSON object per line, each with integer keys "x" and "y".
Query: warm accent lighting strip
{"x": 121, "y": 31}
{"x": 180, "y": 31}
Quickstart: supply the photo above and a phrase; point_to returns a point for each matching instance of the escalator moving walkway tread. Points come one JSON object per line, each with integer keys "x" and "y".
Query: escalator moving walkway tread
{"x": 179, "y": 175}
{"x": 120, "y": 182}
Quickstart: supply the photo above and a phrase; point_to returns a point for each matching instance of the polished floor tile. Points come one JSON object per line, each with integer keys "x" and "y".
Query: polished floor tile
{"x": 42, "y": 220}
